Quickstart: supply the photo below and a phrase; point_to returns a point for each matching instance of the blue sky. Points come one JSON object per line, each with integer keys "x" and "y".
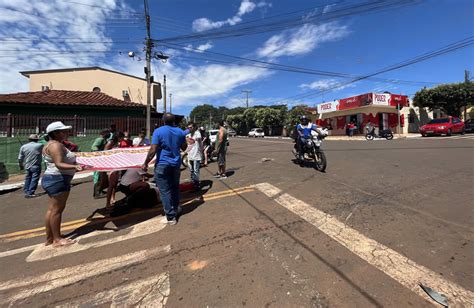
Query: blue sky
{"x": 87, "y": 33}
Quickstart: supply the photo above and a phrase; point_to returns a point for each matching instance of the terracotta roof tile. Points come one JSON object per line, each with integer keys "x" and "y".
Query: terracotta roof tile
{"x": 67, "y": 98}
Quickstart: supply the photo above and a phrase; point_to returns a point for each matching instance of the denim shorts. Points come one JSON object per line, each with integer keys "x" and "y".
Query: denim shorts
{"x": 56, "y": 184}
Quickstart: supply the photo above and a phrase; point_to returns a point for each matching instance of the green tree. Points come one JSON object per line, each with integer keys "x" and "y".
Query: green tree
{"x": 200, "y": 114}
{"x": 293, "y": 116}
{"x": 270, "y": 119}
{"x": 448, "y": 97}
{"x": 237, "y": 122}
{"x": 250, "y": 117}
{"x": 236, "y": 110}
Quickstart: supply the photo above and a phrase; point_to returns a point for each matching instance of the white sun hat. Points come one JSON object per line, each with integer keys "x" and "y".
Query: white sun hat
{"x": 58, "y": 125}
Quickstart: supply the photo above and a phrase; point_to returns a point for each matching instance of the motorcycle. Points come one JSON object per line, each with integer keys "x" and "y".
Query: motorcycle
{"x": 211, "y": 156}
{"x": 385, "y": 133}
{"x": 312, "y": 149}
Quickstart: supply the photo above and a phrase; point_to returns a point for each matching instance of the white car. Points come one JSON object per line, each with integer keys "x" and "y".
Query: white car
{"x": 213, "y": 135}
{"x": 256, "y": 132}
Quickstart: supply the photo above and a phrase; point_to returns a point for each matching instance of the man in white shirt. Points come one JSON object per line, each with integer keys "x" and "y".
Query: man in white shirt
{"x": 131, "y": 181}
{"x": 141, "y": 140}
{"x": 194, "y": 153}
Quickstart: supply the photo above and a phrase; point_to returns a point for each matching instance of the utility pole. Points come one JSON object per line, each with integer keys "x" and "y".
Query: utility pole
{"x": 148, "y": 48}
{"x": 210, "y": 119}
{"x": 247, "y": 92}
{"x": 171, "y": 94}
{"x": 164, "y": 94}
{"x": 467, "y": 79}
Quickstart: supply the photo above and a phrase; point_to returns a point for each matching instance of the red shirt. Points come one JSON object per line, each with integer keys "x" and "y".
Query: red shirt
{"x": 125, "y": 143}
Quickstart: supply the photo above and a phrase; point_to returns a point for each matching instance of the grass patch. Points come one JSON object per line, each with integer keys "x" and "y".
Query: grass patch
{"x": 10, "y": 147}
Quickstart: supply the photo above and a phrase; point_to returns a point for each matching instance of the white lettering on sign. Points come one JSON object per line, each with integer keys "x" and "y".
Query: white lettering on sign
{"x": 328, "y": 107}
{"x": 381, "y": 99}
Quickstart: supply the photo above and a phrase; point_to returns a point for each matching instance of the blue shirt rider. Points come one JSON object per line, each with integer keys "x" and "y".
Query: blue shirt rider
{"x": 304, "y": 132}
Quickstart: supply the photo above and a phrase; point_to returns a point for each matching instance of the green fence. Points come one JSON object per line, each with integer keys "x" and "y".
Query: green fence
{"x": 9, "y": 148}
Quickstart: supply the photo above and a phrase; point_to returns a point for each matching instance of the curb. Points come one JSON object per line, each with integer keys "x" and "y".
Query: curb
{"x": 18, "y": 185}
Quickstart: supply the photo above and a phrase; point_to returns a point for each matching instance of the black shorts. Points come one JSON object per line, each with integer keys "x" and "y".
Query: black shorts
{"x": 124, "y": 189}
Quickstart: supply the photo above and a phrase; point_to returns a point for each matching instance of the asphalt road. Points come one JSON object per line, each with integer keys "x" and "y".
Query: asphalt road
{"x": 385, "y": 216}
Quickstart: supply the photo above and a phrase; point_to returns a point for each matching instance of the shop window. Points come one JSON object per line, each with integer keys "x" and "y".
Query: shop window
{"x": 411, "y": 118}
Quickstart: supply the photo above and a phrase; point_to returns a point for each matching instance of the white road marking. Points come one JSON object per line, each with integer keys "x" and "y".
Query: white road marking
{"x": 67, "y": 276}
{"x": 18, "y": 250}
{"x": 149, "y": 292}
{"x": 400, "y": 268}
{"x": 144, "y": 228}
{"x": 33, "y": 247}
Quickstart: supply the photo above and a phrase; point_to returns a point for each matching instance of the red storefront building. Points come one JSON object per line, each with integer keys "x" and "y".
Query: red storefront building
{"x": 379, "y": 108}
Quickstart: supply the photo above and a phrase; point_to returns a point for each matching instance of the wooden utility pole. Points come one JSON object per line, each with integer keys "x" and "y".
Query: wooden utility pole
{"x": 149, "y": 47}
{"x": 164, "y": 94}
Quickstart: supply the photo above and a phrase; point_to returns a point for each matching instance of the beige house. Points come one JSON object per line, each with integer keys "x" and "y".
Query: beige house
{"x": 116, "y": 84}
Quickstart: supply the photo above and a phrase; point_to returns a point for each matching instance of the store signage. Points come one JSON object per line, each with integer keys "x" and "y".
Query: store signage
{"x": 354, "y": 102}
{"x": 381, "y": 99}
{"x": 328, "y": 107}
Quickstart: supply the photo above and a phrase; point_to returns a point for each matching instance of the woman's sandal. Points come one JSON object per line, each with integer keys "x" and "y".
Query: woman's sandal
{"x": 63, "y": 242}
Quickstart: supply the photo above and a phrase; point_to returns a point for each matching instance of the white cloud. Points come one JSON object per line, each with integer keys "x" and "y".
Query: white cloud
{"x": 328, "y": 8}
{"x": 50, "y": 20}
{"x": 200, "y": 48}
{"x": 194, "y": 85}
{"x": 301, "y": 41}
{"x": 246, "y": 7}
{"x": 324, "y": 84}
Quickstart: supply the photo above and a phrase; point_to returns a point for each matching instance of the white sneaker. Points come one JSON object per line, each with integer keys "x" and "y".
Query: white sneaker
{"x": 171, "y": 222}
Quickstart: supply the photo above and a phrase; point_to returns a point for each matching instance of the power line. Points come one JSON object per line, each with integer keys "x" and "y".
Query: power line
{"x": 423, "y": 57}
{"x": 101, "y": 7}
{"x": 253, "y": 27}
{"x": 288, "y": 68}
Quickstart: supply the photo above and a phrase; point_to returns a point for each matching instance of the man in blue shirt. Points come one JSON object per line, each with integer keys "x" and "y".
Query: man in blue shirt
{"x": 304, "y": 132}
{"x": 166, "y": 143}
{"x": 29, "y": 159}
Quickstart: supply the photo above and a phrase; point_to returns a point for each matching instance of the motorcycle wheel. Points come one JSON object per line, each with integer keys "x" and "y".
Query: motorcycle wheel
{"x": 320, "y": 162}
{"x": 184, "y": 160}
{"x": 389, "y": 136}
{"x": 369, "y": 137}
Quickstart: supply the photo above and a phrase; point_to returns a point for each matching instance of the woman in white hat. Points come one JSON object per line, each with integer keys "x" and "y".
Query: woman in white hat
{"x": 60, "y": 168}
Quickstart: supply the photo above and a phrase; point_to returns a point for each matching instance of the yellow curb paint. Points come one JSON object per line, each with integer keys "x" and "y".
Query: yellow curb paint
{"x": 71, "y": 225}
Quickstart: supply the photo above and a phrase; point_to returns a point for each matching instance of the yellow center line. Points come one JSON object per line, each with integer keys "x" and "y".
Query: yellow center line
{"x": 71, "y": 225}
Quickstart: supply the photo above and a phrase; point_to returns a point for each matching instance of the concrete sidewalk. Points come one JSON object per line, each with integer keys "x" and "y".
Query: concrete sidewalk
{"x": 17, "y": 181}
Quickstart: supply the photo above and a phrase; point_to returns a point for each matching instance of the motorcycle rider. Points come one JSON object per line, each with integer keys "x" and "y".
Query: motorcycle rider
{"x": 369, "y": 128}
{"x": 303, "y": 129}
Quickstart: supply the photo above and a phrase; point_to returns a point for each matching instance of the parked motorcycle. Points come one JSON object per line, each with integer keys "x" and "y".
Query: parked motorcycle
{"x": 386, "y": 133}
{"x": 312, "y": 149}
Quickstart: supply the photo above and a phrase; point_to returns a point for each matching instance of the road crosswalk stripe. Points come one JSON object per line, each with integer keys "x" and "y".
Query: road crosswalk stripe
{"x": 71, "y": 225}
{"x": 67, "y": 276}
{"x": 405, "y": 271}
{"x": 149, "y": 292}
{"x": 141, "y": 229}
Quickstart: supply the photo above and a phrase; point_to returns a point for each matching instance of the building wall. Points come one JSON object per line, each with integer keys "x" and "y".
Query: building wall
{"x": 415, "y": 117}
{"x": 85, "y": 80}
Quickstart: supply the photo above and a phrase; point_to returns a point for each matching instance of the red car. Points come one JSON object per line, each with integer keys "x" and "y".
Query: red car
{"x": 443, "y": 126}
